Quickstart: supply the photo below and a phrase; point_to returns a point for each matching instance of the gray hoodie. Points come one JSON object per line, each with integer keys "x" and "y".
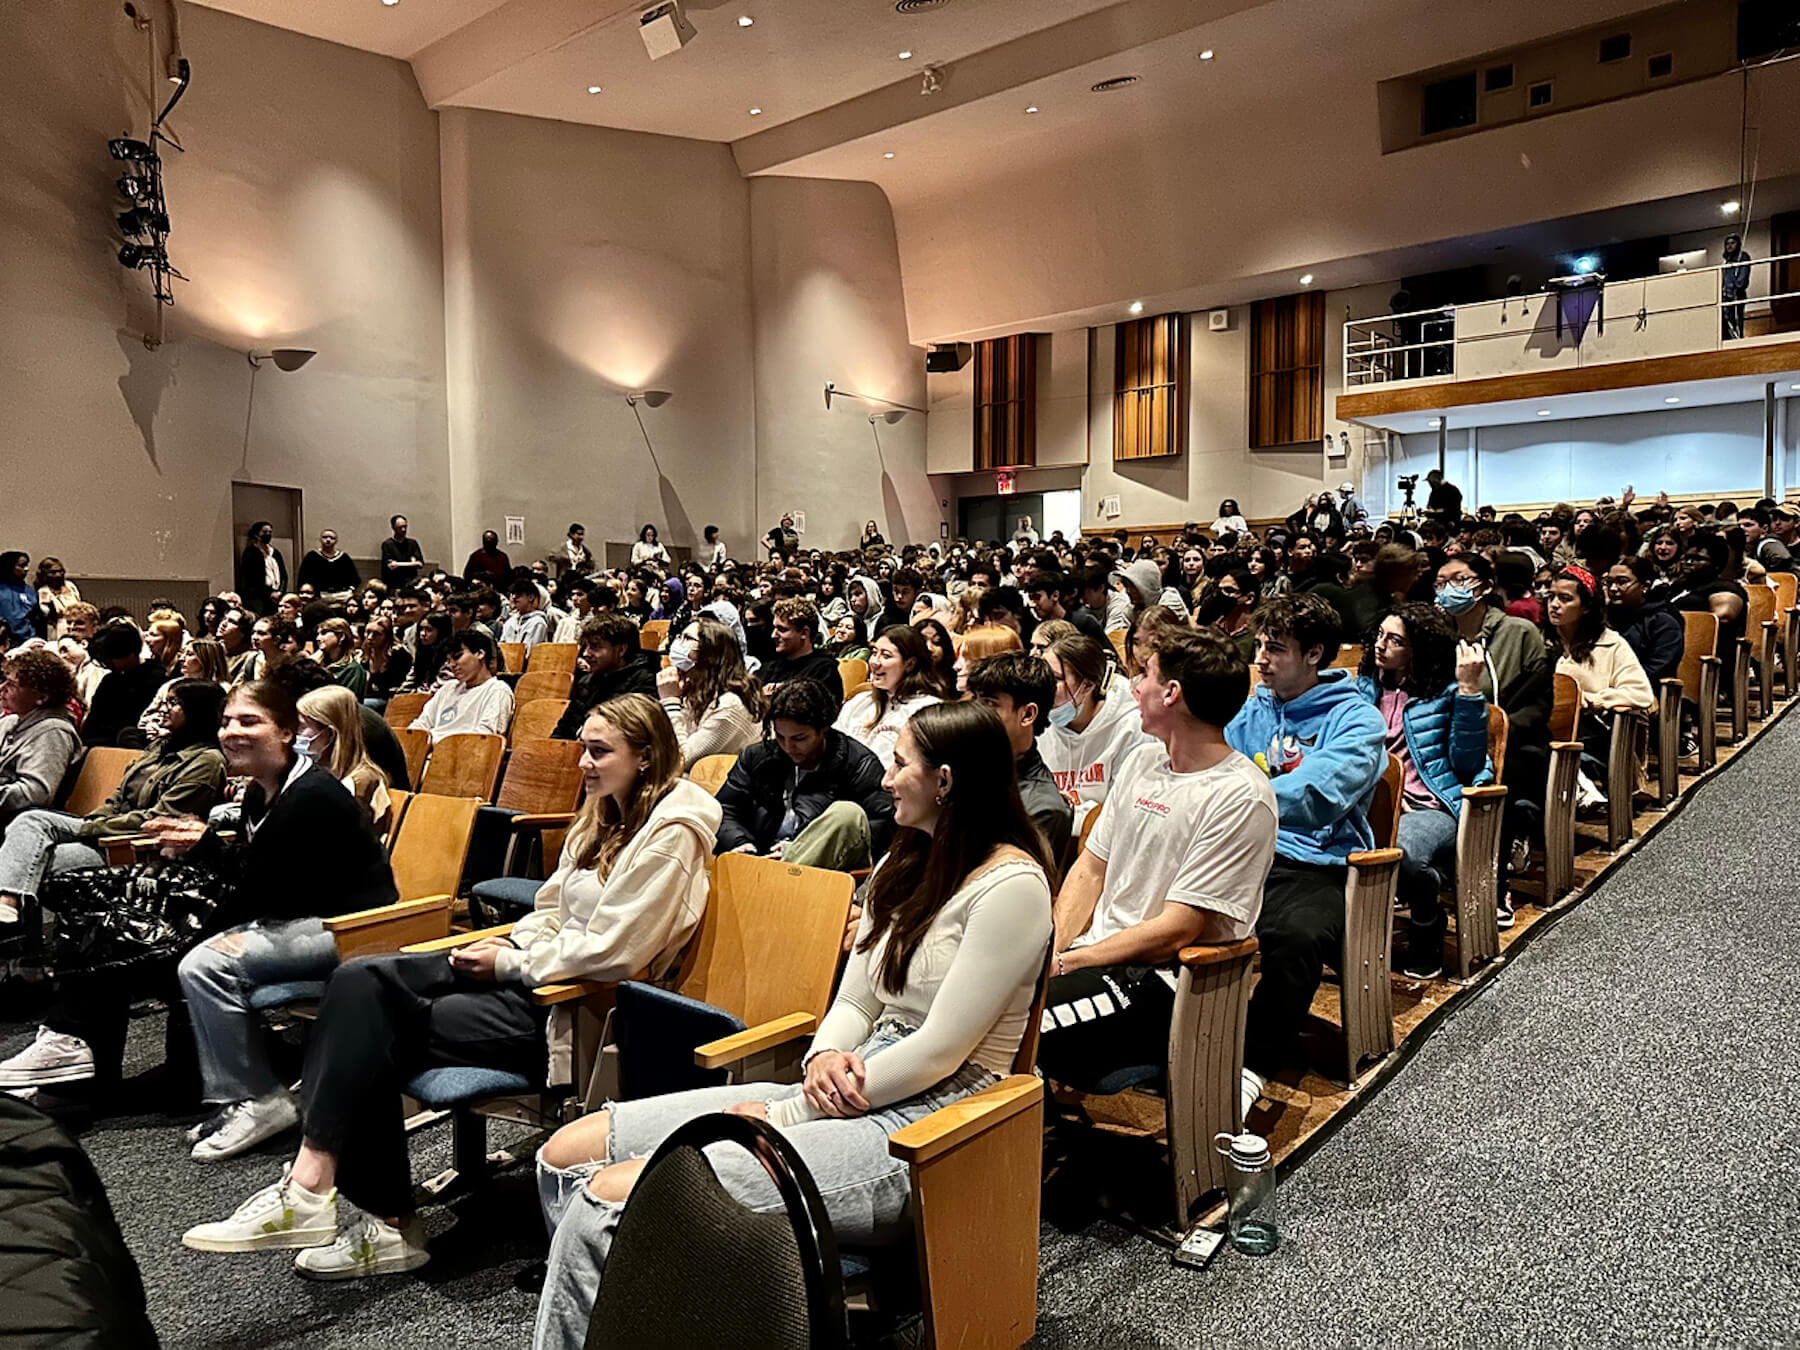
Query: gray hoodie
{"x": 36, "y": 750}
{"x": 873, "y": 618}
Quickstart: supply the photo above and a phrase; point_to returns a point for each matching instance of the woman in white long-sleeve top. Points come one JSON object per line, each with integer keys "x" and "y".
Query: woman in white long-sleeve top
{"x": 933, "y": 1005}
{"x": 627, "y": 895}
{"x": 714, "y": 702}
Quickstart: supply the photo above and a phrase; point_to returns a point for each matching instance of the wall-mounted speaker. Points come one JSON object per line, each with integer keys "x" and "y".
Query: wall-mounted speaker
{"x": 665, "y": 29}
{"x": 1218, "y": 320}
{"x": 941, "y": 358}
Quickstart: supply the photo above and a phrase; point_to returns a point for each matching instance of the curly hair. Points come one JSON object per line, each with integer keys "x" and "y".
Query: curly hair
{"x": 44, "y": 673}
{"x": 1432, "y": 642}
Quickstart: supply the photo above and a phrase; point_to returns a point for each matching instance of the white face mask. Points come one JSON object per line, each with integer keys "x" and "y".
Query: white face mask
{"x": 304, "y": 744}
{"x": 681, "y": 654}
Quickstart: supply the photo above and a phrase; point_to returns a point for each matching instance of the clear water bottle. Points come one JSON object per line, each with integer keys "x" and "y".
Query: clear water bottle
{"x": 1253, "y": 1221}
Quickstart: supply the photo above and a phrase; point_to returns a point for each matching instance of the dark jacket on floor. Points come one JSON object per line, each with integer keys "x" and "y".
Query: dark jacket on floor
{"x": 754, "y": 796}
{"x": 636, "y": 676}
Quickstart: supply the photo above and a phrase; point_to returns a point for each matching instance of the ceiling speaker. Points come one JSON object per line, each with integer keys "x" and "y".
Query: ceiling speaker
{"x": 665, "y": 29}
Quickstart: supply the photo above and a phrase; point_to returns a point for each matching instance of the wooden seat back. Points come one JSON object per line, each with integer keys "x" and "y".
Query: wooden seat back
{"x": 1701, "y": 640}
{"x": 553, "y": 658}
{"x": 1499, "y": 726}
{"x": 1384, "y": 806}
{"x": 1349, "y": 657}
{"x": 432, "y": 843}
{"x": 542, "y": 777}
{"x": 851, "y": 691}
{"x": 1087, "y": 826}
{"x": 1565, "y": 708}
{"x": 534, "y": 721}
{"x": 1787, "y": 590}
{"x": 398, "y": 800}
{"x": 652, "y": 634}
{"x": 512, "y": 657}
{"x": 710, "y": 772}
{"x": 402, "y": 709}
{"x": 543, "y": 684}
{"x": 416, "y": 746}
{"x": 102, "y": 770}
{"x": 853, "y": 672}
{"x": 1759, "y": 610}
{"x": 770, "y": 942}
{"x": 464, "y": 766}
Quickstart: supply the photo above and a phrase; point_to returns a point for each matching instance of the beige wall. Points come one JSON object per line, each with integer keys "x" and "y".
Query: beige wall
{"x": 826, "y": 272}
{"x": 305, "y": 212}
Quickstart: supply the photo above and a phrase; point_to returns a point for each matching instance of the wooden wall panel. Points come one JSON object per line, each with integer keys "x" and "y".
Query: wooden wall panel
{"x": 1150, "y": 388}
{"x": 1006, "y": 402}
{"x": 1287, "y": 370}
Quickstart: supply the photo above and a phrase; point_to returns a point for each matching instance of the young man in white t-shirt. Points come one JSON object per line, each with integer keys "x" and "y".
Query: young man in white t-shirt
{"x": 1179, "y": 857}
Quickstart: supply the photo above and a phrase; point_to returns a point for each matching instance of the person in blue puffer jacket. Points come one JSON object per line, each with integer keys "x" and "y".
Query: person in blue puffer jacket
{"x": 1437, "y": 727}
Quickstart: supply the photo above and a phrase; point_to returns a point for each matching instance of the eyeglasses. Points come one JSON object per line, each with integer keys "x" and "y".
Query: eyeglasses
{"x": 1389, "y": 640}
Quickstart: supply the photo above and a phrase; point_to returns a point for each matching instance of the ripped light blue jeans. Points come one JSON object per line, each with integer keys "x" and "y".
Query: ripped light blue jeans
{"x": 866, "y": 1192}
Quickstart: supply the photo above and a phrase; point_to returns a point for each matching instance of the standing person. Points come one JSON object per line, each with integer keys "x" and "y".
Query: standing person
{"x": 1324, "y": 749}
{"x": 783, "y": 541}
{"x": 935, "y": 998}
{"x": 1229, "y": 518}
{"x": 473, "y": 701}
{"x": 715, "y": 547}
{"x": 55, "y": 593}
{"x": 1734, "y": 285}
{"x": 19, "y": 609}
{"x": 1445, "y": 499}
{"x": 402, "y": 560}
{"x": 626, "y": 896}
{"x": 901, "y": 682}
{"x": 1024, "y": 536}
{"x": 576, "y": 557}
{"x": 648, "y": 548}
{"x": 489, "y": 564}
{"x": 871, "y": 535}
{"x": 331, "y": 572}
{"x": 713, "y": 701}
{"x": 262, "y": 575}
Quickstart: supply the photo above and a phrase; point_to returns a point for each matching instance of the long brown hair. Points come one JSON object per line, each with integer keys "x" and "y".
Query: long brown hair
{"x": 918, "y": 676}
{"x": 719, "y": 670}
{"x": 601, "y": 831}
{"x": 981, "y": 812}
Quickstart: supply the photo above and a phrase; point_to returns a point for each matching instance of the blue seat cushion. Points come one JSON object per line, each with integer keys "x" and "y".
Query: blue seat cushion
{"x": 656, "y": 1031}
{"x": 267, "y": 997}
{"x": 855, "y": 1264}
{"x": 508, "y": 893}
{"x": 453, "y": 1085}
{"x": 1135, "y": 1075}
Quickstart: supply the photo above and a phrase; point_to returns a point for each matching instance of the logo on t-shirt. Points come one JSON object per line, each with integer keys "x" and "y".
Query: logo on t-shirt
{"x": 1153, "y": 806}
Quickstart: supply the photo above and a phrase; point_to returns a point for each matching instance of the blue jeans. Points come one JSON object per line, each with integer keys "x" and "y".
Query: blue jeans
{"x": 866, "y": 1192}
{"x": 41, "y": 842}
{"x": 218, "y": 986}
{"x": 1428, "y": 841}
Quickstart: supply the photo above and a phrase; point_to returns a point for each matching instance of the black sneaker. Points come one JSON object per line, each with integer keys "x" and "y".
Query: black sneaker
{"x": 1424, "y": 966}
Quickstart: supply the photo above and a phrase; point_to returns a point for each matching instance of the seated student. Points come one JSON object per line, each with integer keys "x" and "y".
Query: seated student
{"x": 291, "y": 751}
{"x": 1324, "y": 749}
{"x": 337, "y": 653}
{"x": 1698, "y": 585}
{"x": 431, "y": 653}
{"x": 387, "y": 662}
{"x": 933, "y": 1004}
{"x": 1051, "y": 593}
{"x": 796, "y": 624}
{"x": 806, "y": 793}
{"x": 38, "y": 739}
{"x": 979, "y": 643}
{"x": 124, "y": 694}
{"x": 1179, "y": 858}
{"x": 626, "y": 896}
{"x": 1605, "y": 667}
{"x": 715, "y": 704}
{"x": 180, "y": 773}
{"x": 1094, "y": 724}
{"x": 474, "y": 701}
{"x": 1650, "y": 628}
{"x": 526, "y": 623}
{"x": 1021, "y": 689}
{"x": 1227, "y": 606}
{"x": 613, "y": 662}
{"x": 1004, "y": 607}
{"x": 941, "y": 647}
{"x": 901, "y": 682}
{"x": 1427, "y": 686}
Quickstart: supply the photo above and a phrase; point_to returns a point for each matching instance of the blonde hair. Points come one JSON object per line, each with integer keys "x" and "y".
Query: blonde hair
{"x": 336, "y": 707}
{"x": 601, "y": 831}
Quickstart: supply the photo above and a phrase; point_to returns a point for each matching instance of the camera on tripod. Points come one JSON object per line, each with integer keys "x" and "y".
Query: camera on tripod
{"x": 1408, "y": 482}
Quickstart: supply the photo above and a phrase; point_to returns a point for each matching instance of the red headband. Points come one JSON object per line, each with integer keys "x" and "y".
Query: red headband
{"x": 1582, "y": 576}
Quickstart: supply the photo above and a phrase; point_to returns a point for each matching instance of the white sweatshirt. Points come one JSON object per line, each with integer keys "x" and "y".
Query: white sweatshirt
{"x": 455, "y": 709}
{"x": 1086, "y": 763}
{"x": 640, "y": 917}
{"x": 856, "y": 719}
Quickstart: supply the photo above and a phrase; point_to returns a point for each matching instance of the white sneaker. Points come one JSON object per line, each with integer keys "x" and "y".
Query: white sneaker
{"x": 51, "y": 1058}
{"x": 276, "y": 1218}
{"x": 370, "y": 1247}
{"x": 1250, "y": 1091}
{"x": 248, "y": 1124}
{"x": 9, "y": 912}
{"x": 211, "y": 1125}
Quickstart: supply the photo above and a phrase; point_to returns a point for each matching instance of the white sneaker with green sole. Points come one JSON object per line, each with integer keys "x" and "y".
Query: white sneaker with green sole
{"x": 277, "y": 1218}
{"x": 370, "y": 1247}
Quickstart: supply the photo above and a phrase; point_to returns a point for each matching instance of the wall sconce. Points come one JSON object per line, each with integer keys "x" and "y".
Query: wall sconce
{"x": 285, "y": 358}
{"x": 654, "y": 397}
{"x": 832, "y": 391}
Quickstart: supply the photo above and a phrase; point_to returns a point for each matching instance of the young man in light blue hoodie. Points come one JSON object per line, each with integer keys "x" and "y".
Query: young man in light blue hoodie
{"x": 1324, "y": 748}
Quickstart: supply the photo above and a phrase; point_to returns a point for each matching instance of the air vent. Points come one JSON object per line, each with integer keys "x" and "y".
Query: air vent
{"x": 1116, "y": 82}
{"x": 918, "y": 6}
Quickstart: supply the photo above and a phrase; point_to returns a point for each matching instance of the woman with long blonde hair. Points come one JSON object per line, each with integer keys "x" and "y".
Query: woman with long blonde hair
{"x": 626, "y": 896}
{"x": 331, "y": 735}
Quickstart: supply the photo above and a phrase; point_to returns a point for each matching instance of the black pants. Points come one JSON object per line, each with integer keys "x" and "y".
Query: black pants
{"x": 1301, "y": 930}
{"x": 1103, "y": 1020}
{"x": 96, "y": 1006}
{"x": 383, "y": 1020}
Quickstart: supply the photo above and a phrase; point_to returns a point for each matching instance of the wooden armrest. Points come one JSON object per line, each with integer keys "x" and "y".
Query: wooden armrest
{"x": 1485, "y": 793}
{"x": 1576, "y": 746}
{"x": 1672, "y": 684}
{"x": 1627, "y": 709}
{"x": 455, "y": 940}
{"x": 944, "y": 1129}
{"x": 549, "y": 995}
{"x": 778, "y": 1031}
{"x": 1375, "y": 857}
{"x": 554, "y": 820}
{"x": 1195, "y": 957}
{"x": 122, "y": 840}
{"x": 404, "y": 909}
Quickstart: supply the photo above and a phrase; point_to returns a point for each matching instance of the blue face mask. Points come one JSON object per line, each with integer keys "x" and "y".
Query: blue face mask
{"x": 1456, "y": 598}
{"x": 1063, "y": 714}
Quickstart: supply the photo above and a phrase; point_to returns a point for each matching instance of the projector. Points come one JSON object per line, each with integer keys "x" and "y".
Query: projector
{"x": 665, "y": 29}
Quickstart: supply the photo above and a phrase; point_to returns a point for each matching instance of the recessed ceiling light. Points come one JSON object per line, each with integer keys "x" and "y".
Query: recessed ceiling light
{"x": 1032, "y": 108}
{"x": 1306, "y": 278}
{"x": 1137, "y": 306}
{"x": 1434, "y": 421}
{"x": 888, "y": 155}
{"x": 390, "y": 3}
{"x": 1207, "y": 55}
{"x": 1730, "y": 208}
{"x": 1543, "y": 412}
{"x": 593, "y": 89}
{"x": 1671, "y": 399}
{"x": 756, "y": 112}
{"x": 906, "y": 56}
{"x": 744, "y": 21}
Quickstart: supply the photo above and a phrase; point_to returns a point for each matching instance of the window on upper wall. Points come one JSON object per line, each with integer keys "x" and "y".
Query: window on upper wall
{"x": 1498, "y": 78}
{"x": 1660, "y": 66}
{"x": 1287, "y": 370}
{"x": 1448, "y": 104}
{"x": 1150, "y": 382}
{"x": 1006, "y": 402}
{"x": 1541, "y": 94}
{"x": 1615, "y": 48}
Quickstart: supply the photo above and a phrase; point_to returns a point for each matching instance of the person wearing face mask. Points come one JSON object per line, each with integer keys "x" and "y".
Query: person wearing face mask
{"x": 1648, "y": 626}
{"x": 262, "y": 575}
{"x": 473, "y": 701}
{"x": 713, "y": 701}
{"x": 1228, "y": 606}
{"x": 1094, "y": 723}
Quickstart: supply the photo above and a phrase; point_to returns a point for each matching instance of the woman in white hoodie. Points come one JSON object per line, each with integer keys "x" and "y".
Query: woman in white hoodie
{"x": 626, "y": 896}
{"x": 1094, "y": 725}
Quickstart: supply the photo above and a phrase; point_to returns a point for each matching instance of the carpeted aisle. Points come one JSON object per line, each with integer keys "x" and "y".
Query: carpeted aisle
{"x": 1603, "y": 1149}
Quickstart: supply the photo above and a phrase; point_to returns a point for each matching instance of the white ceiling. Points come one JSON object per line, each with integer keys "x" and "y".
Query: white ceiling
{"x": 393, "y": 30}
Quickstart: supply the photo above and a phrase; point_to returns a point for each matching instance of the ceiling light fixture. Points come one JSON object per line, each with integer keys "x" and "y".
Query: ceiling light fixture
{"x": 744, "y": 21}
{"x": 888, "y": 155}
{"x": 756, "y": 112}
{"x": 593, "y": 89}
{"x": 1137, "y": 306}
{"x": 1730, "y": 208}
{"x": 906, "y": 56}
{"x": 1207, "y": 55}
{"x": 1543, "y": 412}
{"x": 1306, "y": 278}
{"x": 390, "y": 3}
{"x": 1032, "y": 108}
{"x": 1671, "y": 399}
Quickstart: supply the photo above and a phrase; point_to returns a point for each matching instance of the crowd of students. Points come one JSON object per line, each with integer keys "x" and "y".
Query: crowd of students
{"x": 1010, "y": 695}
